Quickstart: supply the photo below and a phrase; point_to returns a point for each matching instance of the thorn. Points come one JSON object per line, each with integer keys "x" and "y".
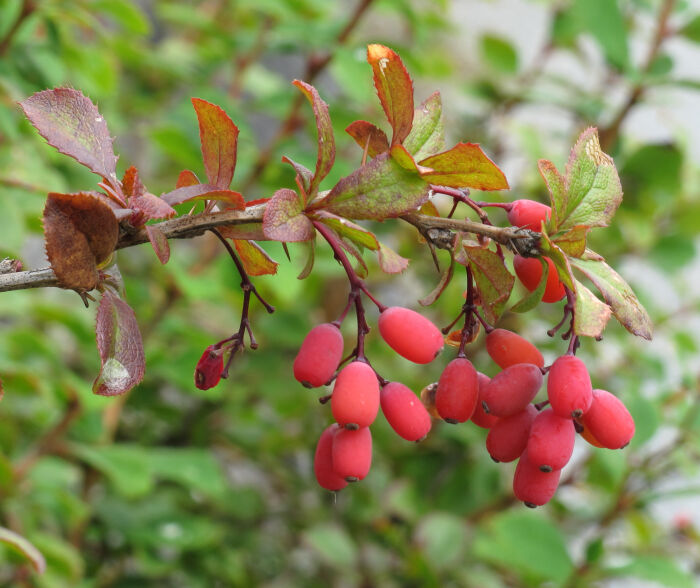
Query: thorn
{"x": 286, "y": 251}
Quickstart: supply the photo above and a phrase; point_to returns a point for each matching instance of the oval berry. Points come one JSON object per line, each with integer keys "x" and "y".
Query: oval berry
{"x": 533, "y": 486}
{"x": 457, "y": 391}
{"x": 529, "y": 272}
{"x": 507, "y": 348}
{"x": 528, "y": 214}
{"x": 319, "y": 355}
{"x": 352, "y": 453}
{"x": 608, "y": 420}
{"x": 209, "y": 368}
{"x": 507, "y": 439}
{"x": 511, "y": 390}
{"x": 323, "y": 461}
{"x": 405, "y": 412}
{"x": 480, "y": 417}
{"x": 355, "y": 398}
{"x": 569, "y": 387}
{"x": 551, "y": 441}
{"x": 410, "y": 334}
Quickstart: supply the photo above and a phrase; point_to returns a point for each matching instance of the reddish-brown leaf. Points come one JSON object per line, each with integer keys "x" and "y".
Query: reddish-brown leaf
{"x": 390, "y": 262}
{"x": 464, "y": 166}
{"x": 304, "y": 174}
{"x": 255, "y": 259}
{"x": 71, "y": 123}
{"x": 204, "y": 192}
{"x": 120, "y": 347}
{"x": 81, "y": 232}
{"x": 187, "y": 178}
{"x": 149, "y": 207}
{"x": 369, "y": 137}
{"x": 159, "y": 242}
{"x": 131, "y": 183}
{"x": 326, "y": 141}
{"x": 219, "y": 138}
{"x": 394, "y": 88}
{"x": 284, "y": 219}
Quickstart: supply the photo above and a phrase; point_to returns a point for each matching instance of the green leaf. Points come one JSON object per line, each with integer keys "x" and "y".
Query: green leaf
{"x": 442, "y": 539}
{"x": 493, "y": 280}
{"x": 573, "y": 241}
{"x": 653, "y": 170}
{"x": 499, "y": 54}
{"x": 464, "y": 166}
{"x": 427, "y": 136}
{"x": 532, "y": 299}
{"x": 591, "y": 315}
{"x": 254, "y": 258}
{"x": 333, "y": 543}
{"x": 619, "y": 296}
{"x": 195, "y": 469}
{"x": 127, "y": 13}
{"x": 369, "y": 137}
{"x": 604, "y": 20}
{"x": 379, "y": 189}
{"x": 390, "y": 262}
{"x": 691, "y": 30}
{"x": 345, "y": 228}
{"x": 284, "y": 219}
{"x": 655, "y": 568}
{"x": 23, "y": 546}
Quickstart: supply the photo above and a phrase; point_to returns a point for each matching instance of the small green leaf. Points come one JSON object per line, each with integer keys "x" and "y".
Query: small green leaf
{"x": 345, "y": 228}
{"x": 23, "y": 546}
{"x": 532, "y": 299}
{"x": 493, "y": 280}
{"x": 604, "y": 20}
{"x": 691, "y": 30}
{"x": 427, "y": 137}
{"x": 499, "y": 54}
{"x": 379, "y": 189}
{"x": 591, "y": 315}
{"x": 442, "y": 538}
{"x": 464, "y": 166}
{"x": 284, "y": 219}
{"x": 573, "y": 241}
{"x": 369, "y": 137}
{"x": 654, "y": 568}
{"x": 333, "y": 543}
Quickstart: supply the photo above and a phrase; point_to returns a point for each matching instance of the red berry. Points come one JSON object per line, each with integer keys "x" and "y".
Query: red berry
{"x": 608, "y": 420}
{"x": 480, "y": 417}
{"x": 569, "y": 387}
{"x": 352, "y": 453}
{"x": 355, "y": 398}
{"x": 529, "y": 271}
{"x": 511, "y": 390}
{"x": 528, "y": 214}
{"x": 533, "y": 486}
{"x": 551, "y": 441}
{"x": 507, "y": 348}
{"x": 405, "y": 412}
{"x": 507, "y": 439}
{"x": 319, "y": 355}
{"x": 209, "y": 368}
{"x": 410, "y": 334}
{"x": 323, "y": 461}
{"x": 457, "y": 391}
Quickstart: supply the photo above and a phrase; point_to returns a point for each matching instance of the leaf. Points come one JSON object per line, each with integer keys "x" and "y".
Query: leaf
{"x": 390, "y": 262}
{"x": 445, "y": 279}
{"x": 401, "y": 156}
{"x": 573, "y": 241}
{"x": 159, "y": 242}
{"x": 394, "y": 88}
{"x": 255, "y": 259}
{"x": 560, "y": 260}
{"x": 187, "y": 178}
{"x": 619, "y": 296}
{"x": 131, "y": 183}
{"x": 590, "y": 314}
{"x": 345, "y": 228}
{"x": 284, "y": 219}
{"x": 427, "y": 136}
{"x": 555, "y": 182}
{"x": 604, "y": 20}
{"x": 71, "y": 123}
{"x": 379, "y": 189}
{"x": 691, "y": 30}
{"x": 304, "y": 174}
{"x": 663, "y": 571}
{"x": 492, "y": 279}
{"x": 464, "y": 166}
{"x": 310, "y": 258}
{"x": 367, "y": 135}
{"x": 441, "y": 537}
{"x": 532, "y": 299}
{"x": 150, "y": 207}
{"x": 81, "y": 233}
{"x": 23, "y": 546}
{"x": 120, "y": 347}
{"x": 204, "y": 192}
{"x": 333, "y": 544}
{"x": 326, "y": 142}
{"x": 219, "y": 138}
{"x": 125, "y": 466}
{"x": 499, "y": 54}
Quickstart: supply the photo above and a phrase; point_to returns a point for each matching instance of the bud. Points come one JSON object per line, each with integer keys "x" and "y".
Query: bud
{"x": 209, "y": 368}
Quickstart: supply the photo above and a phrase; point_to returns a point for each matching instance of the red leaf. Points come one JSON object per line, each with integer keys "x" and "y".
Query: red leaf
{"x": 284, "y": 219}
{"x": 149, "y": 206}
{"x": 71, "y": 123}
{"x": 187, "y": 178}
{"x": 394, "y": 88}
{"x": 464, "y": 166}
{"x": 326, "y": 141}
{"x": 81, "y": 232}
{"x": 159, "y": 242}
{"x": 255, "y": 259}
{"x": 131, "y": 183}
{"x": 204, "y": 192}
{"x": 368, "y": 136}
{"x": 219, "y": 138}
{"x": 120, "y": 347}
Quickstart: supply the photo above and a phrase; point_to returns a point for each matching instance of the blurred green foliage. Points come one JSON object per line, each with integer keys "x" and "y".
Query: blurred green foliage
{"x": 174, "y": 486}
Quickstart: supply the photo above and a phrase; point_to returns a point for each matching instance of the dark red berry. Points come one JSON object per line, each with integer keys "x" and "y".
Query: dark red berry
{"x": 533, "y": 486}
{"x": 480, "y": 417}
{"x": 355, "y": 398}
{"x": 608, "y": 420}
{"x": 551, "y": 441}
{"x": 319, "y": 355}
{"x": 209, "y": 368}
{"x": 529, "y": 272}
{"x": 507, "y": 439}
{"x": 410, "y": 334}
{"x": 323, "y": 461}
{"x": 405, "y": 412}
{"x": 528, "y": 214}
{"x": 569, "y": 387}
{"x": 507, "y": 348}
{"x": 457, "y": 391}
{"x": 511, "y": 390}
{"x": 352, "y": 453}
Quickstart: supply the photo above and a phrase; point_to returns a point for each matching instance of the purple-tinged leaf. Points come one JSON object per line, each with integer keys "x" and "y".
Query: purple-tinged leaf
{"x": 159, "y": 242}
{"x": 219, "y": 138}
{"x": 71, "y": 123}
{"x": 427, "y": 137}
{"x": 21, "y": 545}
{"x": 379, "y": 189}
{"x": 590, "y": 314}
{"x": 310, "y": 258}
{"x": 445, "y": 279}
{"x": 532, "y": 299}
{"x": 204, "y": 192}
{"x": 394, "y": 88}
{"x": 493, "y": 281}
{"x": 187, "y": 178}
{"x": 326, "y": 141}
{"x": 131, "y": 183}
{"x": 464, "y": 166}
{"x": 120, "y": 347}
{"x": 618, "y": 294}
{"x": 304, "y": 174}
{"x": 349, "y": 230}
{"x": 369, "y": 137}
{"x": 255, "y": 259}
{"x": 284, "y": 219}
{"x": 148, "y": 207}
{"x": 390, "y": 262}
